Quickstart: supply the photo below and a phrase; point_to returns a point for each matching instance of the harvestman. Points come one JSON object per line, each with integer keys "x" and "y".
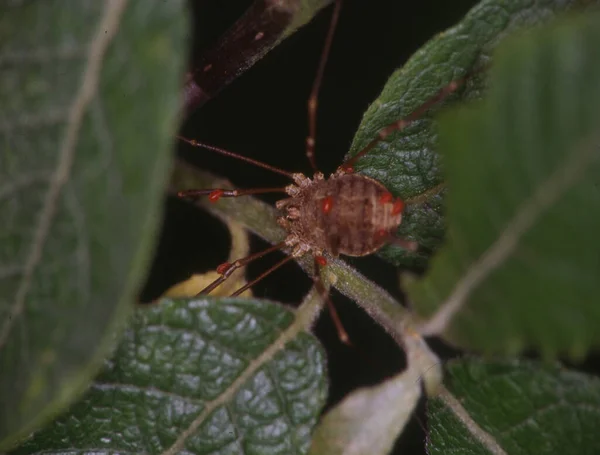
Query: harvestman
{"x": 347, "y": 213}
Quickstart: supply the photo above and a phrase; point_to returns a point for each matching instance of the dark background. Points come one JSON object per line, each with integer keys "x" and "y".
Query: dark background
{"x": 263, "y": 115}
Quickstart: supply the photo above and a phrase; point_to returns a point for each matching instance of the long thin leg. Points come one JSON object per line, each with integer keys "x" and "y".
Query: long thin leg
{"x": 262, "y": 275}
{"x": 399, "y": 125}
{"x": 227, "y": 268}
{"x": 214, "y": 194}
{"x": 313, "y": 100}
{"x": 212, "y": 148}
{"x": 324, "y": 293}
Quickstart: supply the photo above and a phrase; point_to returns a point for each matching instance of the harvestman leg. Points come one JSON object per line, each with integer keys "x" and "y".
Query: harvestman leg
{"x": 324, "y": 294}
{"x": 263, "y": 275}
{"x": 399, "y": 125}
{"x": 402, "y": 123}
{"x": 227, "y": 268}
{"x": 214, "y": 194}
{"x": 312, "y": 105}
{"x": 313, "y": 100}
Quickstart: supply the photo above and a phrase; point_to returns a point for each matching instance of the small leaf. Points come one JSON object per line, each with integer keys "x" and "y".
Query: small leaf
{"x": 522, "y": 262}
{"x": 207, "y": 375}
{"x": 370, "y": 420}
{"x": 518, "y": 406}
{"x": 406, "y": 163}
{"x": 89, "y": 95}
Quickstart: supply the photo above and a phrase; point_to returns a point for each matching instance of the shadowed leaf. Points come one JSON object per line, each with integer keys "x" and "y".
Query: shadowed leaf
{"x": 522, "y": 262}
{"x": 517, "y": 406}
{"x": 201, "y": 376}
{"x": 80, "y": 187}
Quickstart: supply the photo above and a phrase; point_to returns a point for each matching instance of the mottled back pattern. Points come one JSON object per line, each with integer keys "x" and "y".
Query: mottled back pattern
{"x": 357, "y": 223}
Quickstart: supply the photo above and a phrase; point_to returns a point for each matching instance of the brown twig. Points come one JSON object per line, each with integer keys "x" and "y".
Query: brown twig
{"x": 260, "y": 29}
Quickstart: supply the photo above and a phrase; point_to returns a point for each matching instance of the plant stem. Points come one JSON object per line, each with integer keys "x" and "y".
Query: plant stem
{"x": 262, "y": 27}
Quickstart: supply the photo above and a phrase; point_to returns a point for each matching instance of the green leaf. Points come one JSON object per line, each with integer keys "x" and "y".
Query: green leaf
{"x": 518, "y": 406}
{"x": 206, "y": 375}
{"x": 521, "y": 265}
{"x": 406, "y": 163}
{"x": 89, "y": 93}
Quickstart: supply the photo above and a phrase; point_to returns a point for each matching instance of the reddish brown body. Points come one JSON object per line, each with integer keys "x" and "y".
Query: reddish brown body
{"x": 346, "y": 214}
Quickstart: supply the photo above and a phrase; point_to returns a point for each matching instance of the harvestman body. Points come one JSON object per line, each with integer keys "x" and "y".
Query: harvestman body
{"x": 347, "y": 213}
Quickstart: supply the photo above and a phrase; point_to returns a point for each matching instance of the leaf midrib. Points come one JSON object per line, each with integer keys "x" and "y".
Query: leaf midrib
{"x": 546, "y": 194}
{"x": 102, "y": 38}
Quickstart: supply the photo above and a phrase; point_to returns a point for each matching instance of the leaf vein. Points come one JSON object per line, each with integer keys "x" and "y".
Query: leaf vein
{"x": 107, "y": 29}
{"x": 305, "y": 316}
{"x": 454, "y": 405}
{"x": 284, "y": 408}
{"x": 526, "y": 215}
{"x": 104, "y": 386}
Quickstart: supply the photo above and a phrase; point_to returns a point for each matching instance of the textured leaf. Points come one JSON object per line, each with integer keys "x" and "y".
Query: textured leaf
{"x": 200, "y": 376}
{"x": 88, "y": 98}
{"x": 406, "y": 162}
{"x": 522, "y": 262}
{"x": 520, "y": 407}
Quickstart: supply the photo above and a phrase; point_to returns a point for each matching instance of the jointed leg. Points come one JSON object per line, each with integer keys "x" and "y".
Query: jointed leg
{"x": 313, "y": 100}
{"x": 324, "y": 293}
{"x": 212, "y": 148}
{"x": 263, "y": 275}
{"x": 399, "y": 125}
{"x": 214, "y": 194}
{"x": 227, "y": 268}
